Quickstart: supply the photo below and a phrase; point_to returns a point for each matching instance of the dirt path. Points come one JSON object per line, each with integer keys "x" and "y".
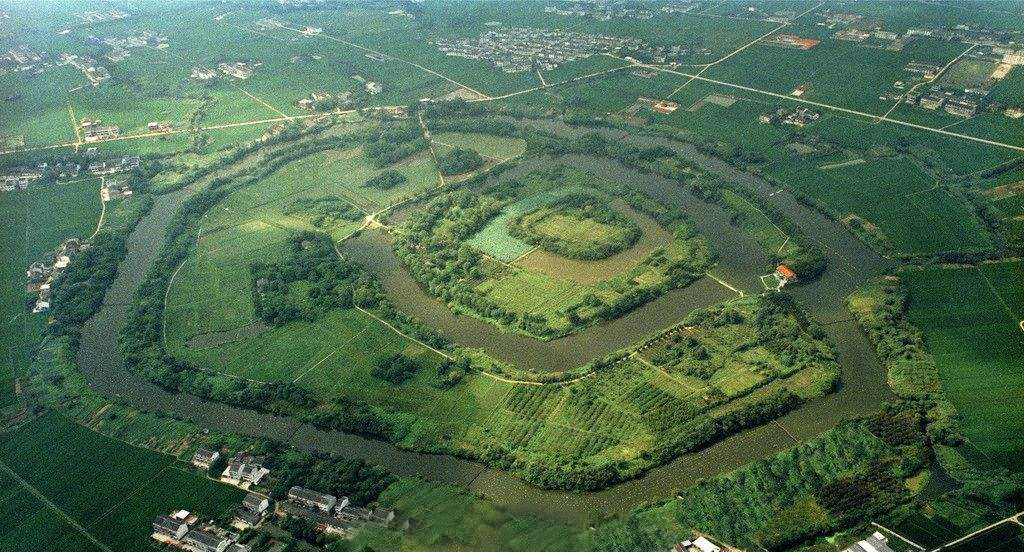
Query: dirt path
{"x": 103, "y": 209}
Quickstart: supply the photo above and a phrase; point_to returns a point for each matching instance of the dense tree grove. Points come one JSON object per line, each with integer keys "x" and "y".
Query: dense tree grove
{"x": 459, "y": 161}
{"x": 581, "y": 207}
{"x": 395, "y": 368}
{"x": 335, "y": 282}
{"x": 394, "y": 143}
{"x": 386, "y": 180}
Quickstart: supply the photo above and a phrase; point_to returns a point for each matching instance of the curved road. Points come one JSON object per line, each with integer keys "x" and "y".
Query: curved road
{"x": 862, "y": 391}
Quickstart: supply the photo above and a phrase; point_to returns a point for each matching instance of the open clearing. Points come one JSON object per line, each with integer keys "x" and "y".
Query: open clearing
{"x": 971, "y": 321}
{"x": 72, "y": 487}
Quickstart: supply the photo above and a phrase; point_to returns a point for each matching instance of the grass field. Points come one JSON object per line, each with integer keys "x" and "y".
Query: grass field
{"x": 971, "y": 320}
{"x": 35, "y": 221}
{"x": 488, "y": 145}
{"x": 494, "y": 239}
{"x": 211, "y": 292}
{"x": 916, "y": 216}
{"x": 111, "y": 490}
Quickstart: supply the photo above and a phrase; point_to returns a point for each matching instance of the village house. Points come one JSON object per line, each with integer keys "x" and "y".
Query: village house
{"x": 313, "y": 499}
{"x": 699, "y": 544}
{"x": 251, "y": 512}
{"x": 877, "y": 542}
{"x": 202, "y": 540}
{"x": 169, "y": 527}
{"x": 785, "y": 275}
{"x": 203, "y": 458}
{"x": 324, "y": 522}
{"x": 245, "y": 470}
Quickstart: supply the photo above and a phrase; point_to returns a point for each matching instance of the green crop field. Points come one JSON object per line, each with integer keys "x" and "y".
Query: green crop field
{"x": 971, "y": 320}
{"x": 914, "y": 214}
{"x": 834, "y": 71}
{"x": 494, "y": 239}
{"x": 211, "y": 292}
{"x": 35, "y": 221}
{"x": 65, "y": 473}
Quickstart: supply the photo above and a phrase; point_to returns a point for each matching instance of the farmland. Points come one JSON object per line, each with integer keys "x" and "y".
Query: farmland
{"x": 971, "y": 321}
{"x": 513, "y": 248}
{"x": 325, "y": 192}
{"x": 84, "y": 488}
{"x": 899, "y": 204}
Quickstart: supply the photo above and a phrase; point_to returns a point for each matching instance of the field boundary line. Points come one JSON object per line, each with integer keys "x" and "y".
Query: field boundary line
{"x": 724, "y": 283}
{"x": 401, "y": 333}
{"x": 262, "y": 102}
{"x": 822, "y": 105}
{"x": 968, "y": 536}
{"x": 74, "y": 126}
{"x": 135, "y": 491}
{"x": 56, "y": 509}
{"x": 1013, "y": 315}
{"x": 333, "y": 352}
{"x": 744, "y": 47}
{"x": 786, "y": 431}
{"x": 642, "y": 360}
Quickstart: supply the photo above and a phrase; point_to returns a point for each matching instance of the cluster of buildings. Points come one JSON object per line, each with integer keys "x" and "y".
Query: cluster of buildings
{"x": 119, "y": 47}
{"x": 332, "y": 514}
{"x": 699, "y": 542}
{"x": 22, "y": 58}
{"x": 97, "y": 74}
{"x": 19, "y": 178}
{"x": 181, "y": 529}
{"x": 792, "y": 41}
{"x": 94, "y": 16}
{"x": 114, "y": 165}
{"x": 798, "y": 117}
{"x": 327, "y": 512}
{"x": 42, "y": 274}
{"x": 323, "y": 101}
{"x": 93, "y": 130}
{"x": 240, "y": 70}
{"x": 202, "y": 74}
{"x": 959, "y": 103}
{"x": 877, "y": 542}
{"x": 518, "y": 49}
{"x": 658, "y": 106}
{"x": 244, "y": 470}
{"x": 602, "y": 11}
{"x": 372, "y": 87}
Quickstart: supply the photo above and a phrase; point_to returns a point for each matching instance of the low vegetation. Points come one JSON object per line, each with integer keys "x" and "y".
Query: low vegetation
{"x": 576, "y": 226}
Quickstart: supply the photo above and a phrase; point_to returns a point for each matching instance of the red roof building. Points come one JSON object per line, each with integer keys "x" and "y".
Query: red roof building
{"x": 785, "y": 273}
